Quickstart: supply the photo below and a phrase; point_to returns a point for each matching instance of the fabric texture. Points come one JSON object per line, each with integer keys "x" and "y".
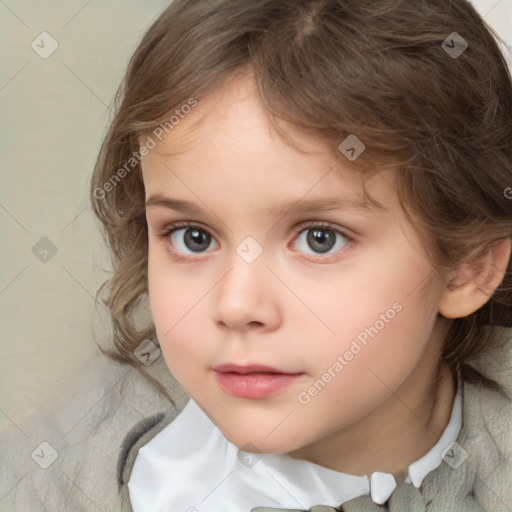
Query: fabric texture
{"x": 110, "y": 411}
{"x": 91, "y": 429}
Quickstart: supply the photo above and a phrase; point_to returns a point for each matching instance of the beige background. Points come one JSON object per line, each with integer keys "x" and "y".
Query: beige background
{"x": 54, "y": 113}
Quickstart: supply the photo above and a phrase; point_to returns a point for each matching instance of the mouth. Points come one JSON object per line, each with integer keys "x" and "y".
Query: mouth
{"x": 253, "y": 381}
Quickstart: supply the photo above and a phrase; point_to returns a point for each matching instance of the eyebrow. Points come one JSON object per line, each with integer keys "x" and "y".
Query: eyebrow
{"x": 280, "y": 210}
{"x": 323, "y": 204}
{"x": 173, "y": 204}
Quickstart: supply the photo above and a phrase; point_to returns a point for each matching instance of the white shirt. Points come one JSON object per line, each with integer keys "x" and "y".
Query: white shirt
{"x": 191, "y": 467}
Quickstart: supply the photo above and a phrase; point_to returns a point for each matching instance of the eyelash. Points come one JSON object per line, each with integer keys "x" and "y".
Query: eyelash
{"x": 170, "y": 229}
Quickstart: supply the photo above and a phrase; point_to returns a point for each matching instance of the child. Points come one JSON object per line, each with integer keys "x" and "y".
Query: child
{"x": 315, "y": 196}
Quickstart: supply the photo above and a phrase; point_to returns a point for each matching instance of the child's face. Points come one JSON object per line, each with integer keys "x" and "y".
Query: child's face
{"x": 354, "y": 313}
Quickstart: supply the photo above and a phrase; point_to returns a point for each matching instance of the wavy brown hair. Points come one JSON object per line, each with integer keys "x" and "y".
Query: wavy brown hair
{"x": 379, "y": 69}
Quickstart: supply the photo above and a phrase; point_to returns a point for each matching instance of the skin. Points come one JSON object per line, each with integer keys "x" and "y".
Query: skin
{"x": 292, "y": 308}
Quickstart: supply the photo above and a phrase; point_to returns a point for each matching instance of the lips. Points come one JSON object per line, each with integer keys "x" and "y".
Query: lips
{"x": 250, "y": 368}
{"x": 254, "y": 381}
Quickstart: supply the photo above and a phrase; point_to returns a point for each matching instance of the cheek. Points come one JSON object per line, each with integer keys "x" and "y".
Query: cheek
{"x": 382, "y": 319}
{"x": 172, "y": 299}
{"x": 364, "y": 367}
{"x": 378, "y": 298}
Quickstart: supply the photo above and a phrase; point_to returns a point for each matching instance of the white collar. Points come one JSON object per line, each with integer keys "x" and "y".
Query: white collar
{"x": 191, "y": 467}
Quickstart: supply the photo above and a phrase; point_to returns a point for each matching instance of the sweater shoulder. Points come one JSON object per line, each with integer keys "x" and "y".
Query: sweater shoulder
{"x": 140, "y": 430}
{"x": 138, "y": 436}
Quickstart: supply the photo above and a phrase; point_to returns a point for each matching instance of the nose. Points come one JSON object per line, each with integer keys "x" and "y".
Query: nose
{"x": 246, "y": 298}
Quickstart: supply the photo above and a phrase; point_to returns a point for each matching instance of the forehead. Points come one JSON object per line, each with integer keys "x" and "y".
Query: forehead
{"x": 228, "y": 138}
{"x": 233, "y": 107}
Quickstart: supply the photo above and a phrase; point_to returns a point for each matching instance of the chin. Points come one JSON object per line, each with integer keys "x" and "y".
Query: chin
{"x": 258, "y": 442}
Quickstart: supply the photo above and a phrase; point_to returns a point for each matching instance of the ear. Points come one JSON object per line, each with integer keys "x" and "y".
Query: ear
{"x": 473, "y": 284}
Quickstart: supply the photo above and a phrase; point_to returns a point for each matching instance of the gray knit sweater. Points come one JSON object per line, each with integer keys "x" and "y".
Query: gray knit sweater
{"x": 79, "y": 456}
